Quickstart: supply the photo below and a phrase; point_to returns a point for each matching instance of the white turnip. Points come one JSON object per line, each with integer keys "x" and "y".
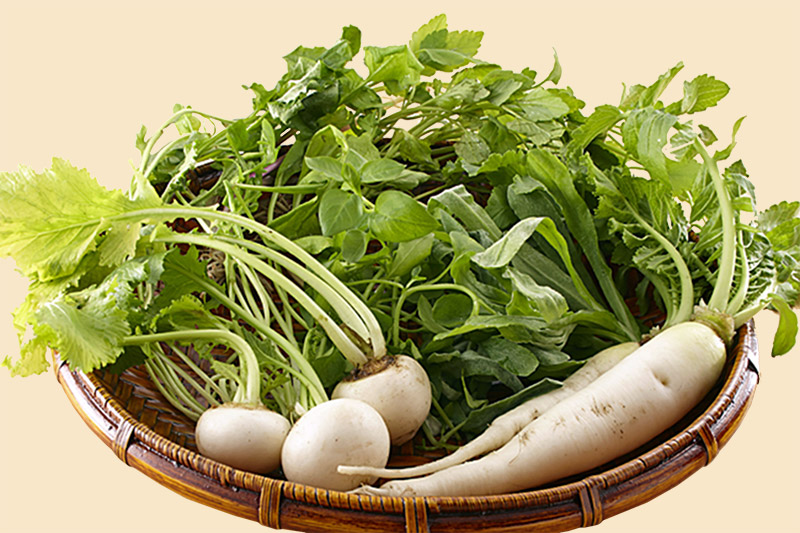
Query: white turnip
{"x": 242, "y": 436}
{"x": 397, "y": 387}
{"x": 340, "y": 431}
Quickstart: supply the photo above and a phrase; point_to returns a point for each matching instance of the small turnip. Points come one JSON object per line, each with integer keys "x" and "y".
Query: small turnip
{"x": 244, "y": 436}
{"x": 338, "y": 432}
{"x": 397, "y": 387}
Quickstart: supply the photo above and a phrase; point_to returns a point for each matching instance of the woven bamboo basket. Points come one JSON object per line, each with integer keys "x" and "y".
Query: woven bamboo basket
{"x": 129, "y": 415}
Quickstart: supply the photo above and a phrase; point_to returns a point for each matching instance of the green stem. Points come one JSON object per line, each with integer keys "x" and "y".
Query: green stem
{"x": 686, "y": 306}
{"x": 346, "y": 313}
{"x": 247, "y": 357}
{"x": 727, "y": 261}
{"x": 348, "y": 348}
{"x": 744, "y": 282}
{"x": 185, "y": 376}
{"x": 156, "y": 377}
{"x": 419, "y": 288}
{"x": 307, "y": 375}
{"x": 743, "y": 315}
{"x": 219, "y": 391}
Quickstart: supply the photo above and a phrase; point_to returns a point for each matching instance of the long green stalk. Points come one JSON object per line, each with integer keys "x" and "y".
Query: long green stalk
{"x": 247, "y": 358}
{"x": 305, "y": 373}
{"x": 727, "y": 260}
{"x": 348, "y": 348}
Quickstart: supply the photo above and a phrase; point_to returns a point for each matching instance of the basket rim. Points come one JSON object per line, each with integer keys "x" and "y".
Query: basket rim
{"x": 595, "y": 496}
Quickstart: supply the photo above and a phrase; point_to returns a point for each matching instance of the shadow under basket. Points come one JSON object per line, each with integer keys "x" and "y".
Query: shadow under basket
{"x": 132, "y": 418}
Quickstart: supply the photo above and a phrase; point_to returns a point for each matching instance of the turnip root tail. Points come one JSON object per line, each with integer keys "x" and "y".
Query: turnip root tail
{"x": 621, "y": 410}
{"x": 504, "y": 427}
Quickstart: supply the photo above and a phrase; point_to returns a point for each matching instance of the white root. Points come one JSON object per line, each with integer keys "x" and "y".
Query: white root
{"x": 242, "y": 436}
{"x": 504, "y": 427}
{"x": 622, "y": 410}
{"x": 341, "y": 431}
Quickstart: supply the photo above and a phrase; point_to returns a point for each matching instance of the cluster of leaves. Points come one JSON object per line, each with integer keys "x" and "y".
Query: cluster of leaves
{"x": 492, "y": 227}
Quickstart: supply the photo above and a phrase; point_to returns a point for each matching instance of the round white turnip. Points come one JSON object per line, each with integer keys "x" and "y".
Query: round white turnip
{"x": 398, "y": 388}
{"x": 243, "y": 436}
{"x": 338, "y": 432}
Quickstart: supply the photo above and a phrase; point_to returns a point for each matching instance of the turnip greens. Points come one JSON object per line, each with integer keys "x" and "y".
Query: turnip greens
{"x": 475, "y": 218}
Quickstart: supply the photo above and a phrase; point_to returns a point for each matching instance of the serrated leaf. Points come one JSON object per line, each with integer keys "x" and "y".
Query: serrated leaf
{"x": 49, "y": 221}
{"x": 86, "y": 328}
{"x": 393, "y": 65}
{"x": 702, "y": 92}
{"x": 437, "y": 23}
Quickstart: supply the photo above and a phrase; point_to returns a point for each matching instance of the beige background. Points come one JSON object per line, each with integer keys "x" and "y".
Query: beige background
{"x": 78, "y": 78}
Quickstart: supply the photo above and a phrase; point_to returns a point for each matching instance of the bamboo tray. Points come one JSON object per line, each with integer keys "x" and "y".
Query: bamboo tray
{"x": 129, "y": 415}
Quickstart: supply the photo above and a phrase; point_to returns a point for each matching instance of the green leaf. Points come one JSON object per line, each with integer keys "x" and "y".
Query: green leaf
{"x": 396, "y": 66}
{"x": 410, "y": 254}
{"x": 398, "y": 218}
{"x": 777, "y": 215}
{"x": 437, "y": 23}
{"x": 550, "y": 303}
{"x": 512, "y": 356}
{"x": 462, "y": 205}
{"x": 327, "y": 166}
{"x": 87, "y": 328}
{"x": 444, "y": 50}
{"x": 501, "y": 253}
{"x": 726, "y": 152}
{"x": 32, "y": 359}
{"x": 314, "y": 244}
{"x": 599, "y": 122}
{"x": 425, "y": 313}
{"x": 479, "y": 419}
{"x": 120, "y": 243}
{"x": 339, "y": 211}
{"x": 474, "y": 364}
{"x": 699, "y": 94}
{"x": 50, "y": 221}
{"x": 641, "y": 96}
{"x": 238, "y": 136}
{"x": 786, "y": 333}
{"x": 555, "y": 72}
{"x": 522, "y": 328}
{"x": 181, "y": 272}
{"x": 381, "y": 170}
{"x": 452, "y": 310}
{"x": 299, "y": 222}
{"x": 186, "y": 312}
{"x": 411, "y": 148}
{"x": 545, "y": 167}
{"x": 268, "y": 143}
{"x": 645, "y": 135}
{"x": 540, "y": 105}
{"x": 472, "y": 148}
{"x": 354, "y": 245}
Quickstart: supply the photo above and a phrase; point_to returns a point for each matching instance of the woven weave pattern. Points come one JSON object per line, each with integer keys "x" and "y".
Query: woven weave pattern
{"x": 146, "y": 433}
